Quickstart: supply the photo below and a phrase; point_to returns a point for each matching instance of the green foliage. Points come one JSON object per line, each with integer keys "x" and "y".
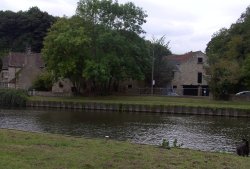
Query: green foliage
{"x": 165, "y": 144}
{"x": 13, "y": 98}
{"x": 224, "y": 75}
{"x": 64, "y": 49}
{"x": 43, "y": 82}
{"x": 230, "y": 46}
{"x": 22, "y": 29}
{"x": 112, "y": 15}
{"x": 99, "y": 47}
{"x": 246, "y": 72}
{"x": 176, "y": 145}
{"x": 159, "y": 49}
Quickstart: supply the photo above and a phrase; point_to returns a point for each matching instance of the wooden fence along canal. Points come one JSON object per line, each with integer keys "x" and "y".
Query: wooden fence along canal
{"x": 171, "y": 109}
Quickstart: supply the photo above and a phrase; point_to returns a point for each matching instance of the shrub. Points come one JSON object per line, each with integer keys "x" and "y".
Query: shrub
{"x": 43, "y": 82}
{"x": 13, "y": 98}
{"x": 165, "y": 144}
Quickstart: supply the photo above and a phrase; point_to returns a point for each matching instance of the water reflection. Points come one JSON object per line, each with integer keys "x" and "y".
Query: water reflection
{"x": 196, "y": 132}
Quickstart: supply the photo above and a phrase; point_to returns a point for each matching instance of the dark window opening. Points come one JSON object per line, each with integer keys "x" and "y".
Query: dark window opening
{"x": 190, "y": 90}
{"x": 199, "y": 78}
{"x": 60, "y": 85}
{"x": 200, "y": 60}
{"x": 130, "y": 86}
{"x": 173, "y": 74}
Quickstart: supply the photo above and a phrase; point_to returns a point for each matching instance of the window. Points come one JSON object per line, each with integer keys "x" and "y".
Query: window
{"x": 5, "y": 75}
{"x": 173, "y": 73}
{"x": 130, "y": 86}
{"x": 199, "y": 79}
{"x": 200, "y": 60}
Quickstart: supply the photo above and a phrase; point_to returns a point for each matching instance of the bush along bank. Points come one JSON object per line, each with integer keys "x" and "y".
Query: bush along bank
{"x": 13, "y": 98}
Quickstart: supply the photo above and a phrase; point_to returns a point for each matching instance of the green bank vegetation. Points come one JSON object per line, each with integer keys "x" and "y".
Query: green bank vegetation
{"x": 13, "y": 98}
{"x": 24, "y": 150}
{"x": 152, "y": 100}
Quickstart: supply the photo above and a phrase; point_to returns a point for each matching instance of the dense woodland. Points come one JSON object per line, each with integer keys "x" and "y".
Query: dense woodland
{"x": 229, "y": 58}
{"x": 19, "y": 30}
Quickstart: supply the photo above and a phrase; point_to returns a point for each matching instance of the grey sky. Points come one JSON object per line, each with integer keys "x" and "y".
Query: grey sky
{"x": 187, "y": 24}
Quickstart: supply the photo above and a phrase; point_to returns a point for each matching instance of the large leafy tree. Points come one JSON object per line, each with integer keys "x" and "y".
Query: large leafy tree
{"x": 24, "y": 29}
{"x": 113, "y": 15}
{"x": 230, "y": 45}
{"x": 117, "y": 52}
{"x": 65, "y": 49}
{"x": 100, "y": 46}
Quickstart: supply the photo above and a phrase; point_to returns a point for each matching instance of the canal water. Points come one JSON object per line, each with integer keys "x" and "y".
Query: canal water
{"x": 206, "y": 133}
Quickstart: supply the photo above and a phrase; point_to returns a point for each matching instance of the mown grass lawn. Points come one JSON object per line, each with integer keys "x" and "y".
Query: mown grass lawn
{"x": 24, "y": 150}
{"x": 153, "y": 100}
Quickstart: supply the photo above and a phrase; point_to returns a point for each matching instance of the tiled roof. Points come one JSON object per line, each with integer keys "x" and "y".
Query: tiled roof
{"x": 181, "y": 58}
{"x": 16, "y": 59}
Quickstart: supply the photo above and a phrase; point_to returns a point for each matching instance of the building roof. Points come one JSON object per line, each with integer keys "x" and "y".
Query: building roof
{"x": 18, "y": 60}
{"x": 177, "y": 59}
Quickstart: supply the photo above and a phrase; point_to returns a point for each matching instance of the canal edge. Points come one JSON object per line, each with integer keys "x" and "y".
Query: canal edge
{"x": 120, "y": 107}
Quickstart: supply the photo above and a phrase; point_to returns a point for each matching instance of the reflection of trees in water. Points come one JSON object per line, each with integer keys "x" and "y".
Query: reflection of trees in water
{"x": 98, "y": 117}
{"x": 198, "y": 132}
{"x": 95, "y": 123}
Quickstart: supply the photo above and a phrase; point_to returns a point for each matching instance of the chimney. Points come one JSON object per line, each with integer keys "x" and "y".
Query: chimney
{"x": 28, "y": 50}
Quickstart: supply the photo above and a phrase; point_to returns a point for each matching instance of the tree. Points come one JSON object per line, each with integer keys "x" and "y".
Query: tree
{"x": 223, "y": 75}
{"x": 116, "y": 51}
{"x": 43, "y": 82}
{"x": 64, "y": 49}
{"x": 24, "y": 29}
{"x": 92, "y": 48}
{"x": 162, "y": 70}
{"x": 246, "y": 72}
{"x": 113, "y": 15}
{"x": 230, "y": 46}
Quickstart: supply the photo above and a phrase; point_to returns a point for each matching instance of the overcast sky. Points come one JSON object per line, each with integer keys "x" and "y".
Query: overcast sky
{"x": 187, "y": 24}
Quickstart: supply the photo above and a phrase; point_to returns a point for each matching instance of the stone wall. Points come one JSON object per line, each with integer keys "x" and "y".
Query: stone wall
{"x": 229, "y": 112}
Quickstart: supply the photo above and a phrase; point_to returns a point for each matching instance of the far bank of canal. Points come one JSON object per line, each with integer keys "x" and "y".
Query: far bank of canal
{"x": 123, "y": 107}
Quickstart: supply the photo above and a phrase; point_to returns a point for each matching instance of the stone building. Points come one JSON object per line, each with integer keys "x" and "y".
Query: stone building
{"x": 19, "y": 70}
{"x": 189, "y": 74}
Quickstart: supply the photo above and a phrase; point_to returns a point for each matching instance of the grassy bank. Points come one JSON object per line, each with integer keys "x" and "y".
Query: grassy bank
{"x": 23, "y": 150}
{"x": 153, "y": 100}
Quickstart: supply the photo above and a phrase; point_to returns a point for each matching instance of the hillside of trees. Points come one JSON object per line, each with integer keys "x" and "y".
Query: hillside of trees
{"x": 19, "y": 30}
{"x": 229, "y": 58}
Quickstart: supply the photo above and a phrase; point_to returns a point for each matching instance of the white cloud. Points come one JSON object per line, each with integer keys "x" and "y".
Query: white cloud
{"x": 187, "y": 24}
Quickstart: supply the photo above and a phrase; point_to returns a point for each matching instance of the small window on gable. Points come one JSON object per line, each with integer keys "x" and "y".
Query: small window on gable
{"x": 130, "y": 86}
{"x": 5, "y": 74}
{"x": 200, "y": 60}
